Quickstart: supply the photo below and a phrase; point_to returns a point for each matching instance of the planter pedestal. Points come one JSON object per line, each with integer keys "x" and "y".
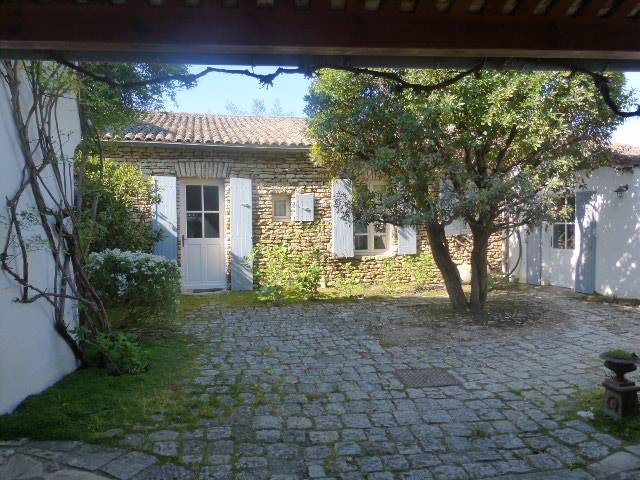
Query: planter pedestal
{"x": 621, "y": 397}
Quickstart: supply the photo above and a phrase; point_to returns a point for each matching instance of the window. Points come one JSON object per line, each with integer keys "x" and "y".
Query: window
{"x": 564, "y": 227}
{"x": 203, "y": 211}
{"x": 281, "y": 207}
{"x": 372, "y": 238}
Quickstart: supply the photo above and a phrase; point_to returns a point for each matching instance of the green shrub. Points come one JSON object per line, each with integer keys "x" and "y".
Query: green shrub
{"x": 281, "y": 274}
{"x": 125, "y": 355}
{"x": 145, "y": 285}
{"x": 423, "y": 270}
{"x": 348, "y": 284}
{"x": 124, "y": 198}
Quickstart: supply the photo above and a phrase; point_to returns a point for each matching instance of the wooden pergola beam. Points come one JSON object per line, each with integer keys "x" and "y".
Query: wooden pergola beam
{"x": 316, "y": 31}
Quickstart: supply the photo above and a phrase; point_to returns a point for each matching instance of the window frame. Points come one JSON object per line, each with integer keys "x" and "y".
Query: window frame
{"x": 287, "y": 202}
{"x": 565, "y": 230}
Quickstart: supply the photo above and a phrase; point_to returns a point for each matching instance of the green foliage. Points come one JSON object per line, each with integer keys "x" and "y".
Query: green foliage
{"x": 146, "y": 285}
{"x": 120, "y": 352}
{"x": 124, "y": 198}
{"x": 348, "y": 283}
{"x": 421, "y": 269}
{"x": 110, "y": 109}
{"x": 281, "y": 274}
{"x": 497, "y": 141}
{"x": 619, "y": 354}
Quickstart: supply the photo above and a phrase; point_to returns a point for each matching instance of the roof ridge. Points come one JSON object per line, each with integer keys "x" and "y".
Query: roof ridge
{"x": 200, "y": 114}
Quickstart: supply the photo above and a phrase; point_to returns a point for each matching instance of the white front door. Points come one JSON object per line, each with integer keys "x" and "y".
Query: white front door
{"x": 202, "y": 234}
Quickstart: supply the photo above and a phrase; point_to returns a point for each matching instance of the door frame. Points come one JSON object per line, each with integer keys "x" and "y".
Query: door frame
{"x": 182, "y": 226}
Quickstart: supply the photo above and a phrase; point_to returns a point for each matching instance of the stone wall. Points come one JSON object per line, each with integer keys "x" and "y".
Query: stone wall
{"x": 283, "y": 171}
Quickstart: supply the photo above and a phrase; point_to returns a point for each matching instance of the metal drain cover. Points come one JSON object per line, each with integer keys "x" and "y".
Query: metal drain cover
{"x": 426, "y": 377}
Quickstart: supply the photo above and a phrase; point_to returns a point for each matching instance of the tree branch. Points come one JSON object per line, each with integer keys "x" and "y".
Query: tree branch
{"x": 601, "y": 82}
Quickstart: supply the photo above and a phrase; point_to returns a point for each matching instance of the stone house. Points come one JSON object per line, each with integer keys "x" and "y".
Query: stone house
{"x": 230, "y": 182}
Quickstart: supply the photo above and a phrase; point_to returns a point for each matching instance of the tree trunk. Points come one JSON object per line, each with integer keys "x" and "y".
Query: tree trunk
{"x": 448, "y": 269}
{"x": 479, "y": 268}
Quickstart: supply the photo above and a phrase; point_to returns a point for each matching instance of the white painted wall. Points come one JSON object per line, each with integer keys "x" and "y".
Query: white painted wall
{"x": 617, "y": 239}
{"x": 32, "y": 355}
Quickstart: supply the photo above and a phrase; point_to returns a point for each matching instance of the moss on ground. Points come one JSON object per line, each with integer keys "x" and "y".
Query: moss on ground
{"x": 592, "y": 401}
{"x": 89, "y": 402}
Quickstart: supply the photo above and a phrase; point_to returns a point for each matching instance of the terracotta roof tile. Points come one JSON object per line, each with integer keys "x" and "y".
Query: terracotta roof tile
{"x": 205, "y": 129}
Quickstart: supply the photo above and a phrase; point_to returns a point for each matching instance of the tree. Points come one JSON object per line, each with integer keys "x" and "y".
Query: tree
{"x": 492, "y": 149}
{"x": 121, "y": 218}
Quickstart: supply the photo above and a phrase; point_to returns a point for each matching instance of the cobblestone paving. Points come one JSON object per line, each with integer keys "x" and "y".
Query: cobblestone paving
{"x": 310, "y": 392}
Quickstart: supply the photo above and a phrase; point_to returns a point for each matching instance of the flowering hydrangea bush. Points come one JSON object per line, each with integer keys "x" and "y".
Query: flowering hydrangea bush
{"x": 139, "y": 282}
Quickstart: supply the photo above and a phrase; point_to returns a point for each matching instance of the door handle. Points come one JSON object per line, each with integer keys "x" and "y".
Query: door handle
{"x": 182, "y": 241}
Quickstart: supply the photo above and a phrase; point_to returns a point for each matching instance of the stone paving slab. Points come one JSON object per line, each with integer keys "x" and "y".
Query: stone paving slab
{"x": 311, "y": 392}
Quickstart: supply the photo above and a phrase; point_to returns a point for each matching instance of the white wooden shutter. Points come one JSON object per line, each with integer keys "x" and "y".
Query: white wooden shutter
{"x": 241, "y": 234}
{"x": 407, "y": 240}
{"x": 342, "y": 232}
{"x": 165, "y": 218}
{"x": 304, "y": 207}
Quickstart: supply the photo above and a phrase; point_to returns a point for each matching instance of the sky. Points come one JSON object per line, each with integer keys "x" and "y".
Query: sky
{"x": 215, "y": 91}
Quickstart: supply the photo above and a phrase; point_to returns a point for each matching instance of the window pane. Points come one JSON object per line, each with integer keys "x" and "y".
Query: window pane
{"x": 280, "y": 207}
{"x": 211, "y": 198}
{"x": 559, "y": 235}
{"x": 360, "y": 228}
{"x": 380, "y": 242}
{"x": 360, "y": 242}
{"x": 194, "y": 225}
{"x": 571, "y": 237}
{"x": 379, "y": 228}
{"x": 194, "y": 199}
{"x": 212, "y": 225}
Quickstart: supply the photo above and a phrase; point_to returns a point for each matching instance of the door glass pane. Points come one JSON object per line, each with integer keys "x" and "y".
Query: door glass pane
{"x": 211, "y": 198}
{"x": 211, "y": 225}
{"x": 380, "y": 242}
{"x": 194, "y": 199}
{"x": 194, "y": 225}
{"x": 360, "y": 242}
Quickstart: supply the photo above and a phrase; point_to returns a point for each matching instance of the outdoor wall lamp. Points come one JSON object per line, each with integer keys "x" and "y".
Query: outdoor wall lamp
{"x": 620, "y": 191}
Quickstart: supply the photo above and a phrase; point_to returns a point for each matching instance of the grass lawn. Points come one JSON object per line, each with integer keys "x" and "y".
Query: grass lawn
{"x": 89, "y": 402}
{"x": 627, "y": 430}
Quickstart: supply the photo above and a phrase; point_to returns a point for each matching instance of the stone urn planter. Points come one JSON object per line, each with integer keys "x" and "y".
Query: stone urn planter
{"x": 621, "y": 394}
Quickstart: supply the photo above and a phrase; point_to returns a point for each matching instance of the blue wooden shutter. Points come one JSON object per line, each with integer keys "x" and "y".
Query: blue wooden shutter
{"x": 241, "y": 234}
{"x": 407, "y": 240}
{"x": 342, "y": 232}
{"x": 165, "y": 218}
{"x": 304, "y": 207}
